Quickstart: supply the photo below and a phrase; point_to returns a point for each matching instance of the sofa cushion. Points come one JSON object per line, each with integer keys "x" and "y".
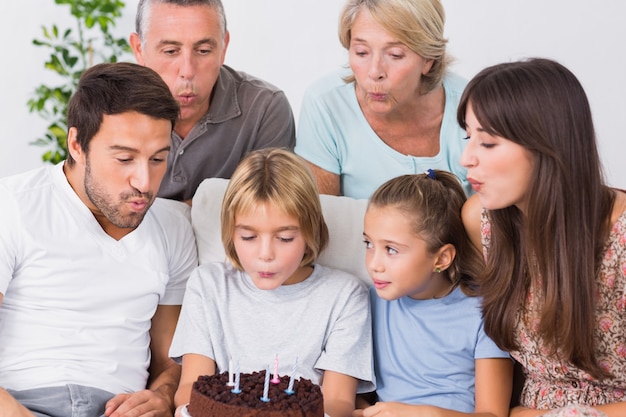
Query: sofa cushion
{"x": 343, "y": 215}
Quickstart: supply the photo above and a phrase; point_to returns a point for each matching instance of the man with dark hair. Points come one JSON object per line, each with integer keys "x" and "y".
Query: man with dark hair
{"x": 92, "y": 266}
{"x": 224, "y": 113}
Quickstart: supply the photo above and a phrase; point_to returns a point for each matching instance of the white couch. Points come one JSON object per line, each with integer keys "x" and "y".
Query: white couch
{"x": 343, "y": 215}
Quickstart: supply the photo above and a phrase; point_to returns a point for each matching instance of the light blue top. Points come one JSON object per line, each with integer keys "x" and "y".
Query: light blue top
{"x": 334, "y": 135}
{"x": 425, "y": 350}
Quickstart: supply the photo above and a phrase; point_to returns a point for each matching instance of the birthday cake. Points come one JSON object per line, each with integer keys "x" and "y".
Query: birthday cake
{"x": 212, "y": 396}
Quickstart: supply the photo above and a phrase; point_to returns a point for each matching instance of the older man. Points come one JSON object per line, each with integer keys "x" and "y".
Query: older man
{"x": 224, "y": 113}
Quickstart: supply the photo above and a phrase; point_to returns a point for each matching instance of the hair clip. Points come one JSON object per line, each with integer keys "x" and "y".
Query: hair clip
{"x": 430, "y": 174}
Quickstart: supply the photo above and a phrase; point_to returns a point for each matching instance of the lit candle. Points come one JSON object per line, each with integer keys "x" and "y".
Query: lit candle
{"x": 236, "y": 389}
{"x": 289, "y": 389}
{"x": 275, "y": 379}
{"x": 231, "y": 373}
{"x": 266, "y": 387}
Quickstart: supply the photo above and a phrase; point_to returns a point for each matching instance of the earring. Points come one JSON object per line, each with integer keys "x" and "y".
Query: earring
{"x": 438, "y": 270}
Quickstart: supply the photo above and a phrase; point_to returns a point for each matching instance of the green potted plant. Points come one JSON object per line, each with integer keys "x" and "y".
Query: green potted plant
{"x": 71, "y": 52}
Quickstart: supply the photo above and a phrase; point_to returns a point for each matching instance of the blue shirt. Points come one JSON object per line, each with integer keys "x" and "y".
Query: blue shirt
{"x": 425, "y": 350}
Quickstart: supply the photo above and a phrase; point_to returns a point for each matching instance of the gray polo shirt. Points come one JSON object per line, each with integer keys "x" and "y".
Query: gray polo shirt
{"x": 246, "y": 113}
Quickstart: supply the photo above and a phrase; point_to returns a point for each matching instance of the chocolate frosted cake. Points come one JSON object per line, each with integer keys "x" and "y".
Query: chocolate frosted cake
{"x": 212, "y": 397}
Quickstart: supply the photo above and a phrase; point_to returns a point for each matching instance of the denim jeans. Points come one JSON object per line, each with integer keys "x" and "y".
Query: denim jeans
{"x": 64, "y": 401}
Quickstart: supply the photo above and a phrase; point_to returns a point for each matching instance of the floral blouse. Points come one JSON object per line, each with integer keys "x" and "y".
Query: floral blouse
{"x": 551, "y": 383}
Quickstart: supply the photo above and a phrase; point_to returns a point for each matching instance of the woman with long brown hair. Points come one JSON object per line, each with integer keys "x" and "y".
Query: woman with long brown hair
{"x": 553, "y": 234}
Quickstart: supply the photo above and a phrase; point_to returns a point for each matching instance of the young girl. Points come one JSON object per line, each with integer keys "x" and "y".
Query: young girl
{"x": 432, "y": 357}
{"x": 271, "y": 298}
{"x": 554, "y": 236}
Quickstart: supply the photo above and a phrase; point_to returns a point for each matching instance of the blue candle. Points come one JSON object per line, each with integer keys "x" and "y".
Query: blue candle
{"x": 289, "y": 389}
{"x": 266, "y": 387}
{"x": 236, "y": 389}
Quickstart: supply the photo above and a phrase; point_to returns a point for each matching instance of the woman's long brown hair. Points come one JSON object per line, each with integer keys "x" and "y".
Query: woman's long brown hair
{"x": 557, "y": 245}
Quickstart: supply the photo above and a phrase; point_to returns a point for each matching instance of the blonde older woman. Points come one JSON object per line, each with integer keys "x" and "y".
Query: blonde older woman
{"x": 393, "y": 111}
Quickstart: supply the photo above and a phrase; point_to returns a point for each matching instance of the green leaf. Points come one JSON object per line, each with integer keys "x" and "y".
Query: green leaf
{"x": 40, "y": 142}
{"x": 90, "y": 21}
{"x": 104, "y": 23}
{"x": 57, "y": 131}
{"x": 47, "y": 156}
{"x": 108, "y": 8}
{"x": 41, "y": 104}
{"x": 57, "y": 157}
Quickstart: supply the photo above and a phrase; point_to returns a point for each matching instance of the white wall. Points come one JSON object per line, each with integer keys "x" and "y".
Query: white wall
{"x": 292, "y": 42}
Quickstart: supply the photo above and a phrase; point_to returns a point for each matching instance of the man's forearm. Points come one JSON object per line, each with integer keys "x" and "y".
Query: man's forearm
{"x": 165, "y": 382}
{"x": 9, "y": 407}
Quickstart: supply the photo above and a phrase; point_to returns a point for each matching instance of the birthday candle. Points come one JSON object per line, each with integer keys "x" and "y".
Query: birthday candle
{"x": 231, "y": 373}
{"x": 289, "y": 389}
{"x": 266, "y": 387}
{"x": 236, "y": 389}
{"x": 275, "y": 379}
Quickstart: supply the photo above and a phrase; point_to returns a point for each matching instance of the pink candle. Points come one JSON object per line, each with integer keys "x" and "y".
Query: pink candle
{"x": 275, "y": 379}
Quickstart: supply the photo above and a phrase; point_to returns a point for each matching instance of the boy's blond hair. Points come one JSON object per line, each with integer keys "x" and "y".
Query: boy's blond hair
{"x": 281, "y": 178}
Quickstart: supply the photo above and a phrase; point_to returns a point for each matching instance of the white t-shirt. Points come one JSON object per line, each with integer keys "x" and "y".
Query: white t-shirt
{"x": 78, "y": 304}
{"x": 324, "y": 321}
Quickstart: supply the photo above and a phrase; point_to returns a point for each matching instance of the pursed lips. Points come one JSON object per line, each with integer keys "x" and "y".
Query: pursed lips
{"x": 186, "y": 98}
{"x": 378, "y": 284}
{"x": 377, "y": 96}
{"x": 138, "y": 206}
{"x": 476, "y": 185}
